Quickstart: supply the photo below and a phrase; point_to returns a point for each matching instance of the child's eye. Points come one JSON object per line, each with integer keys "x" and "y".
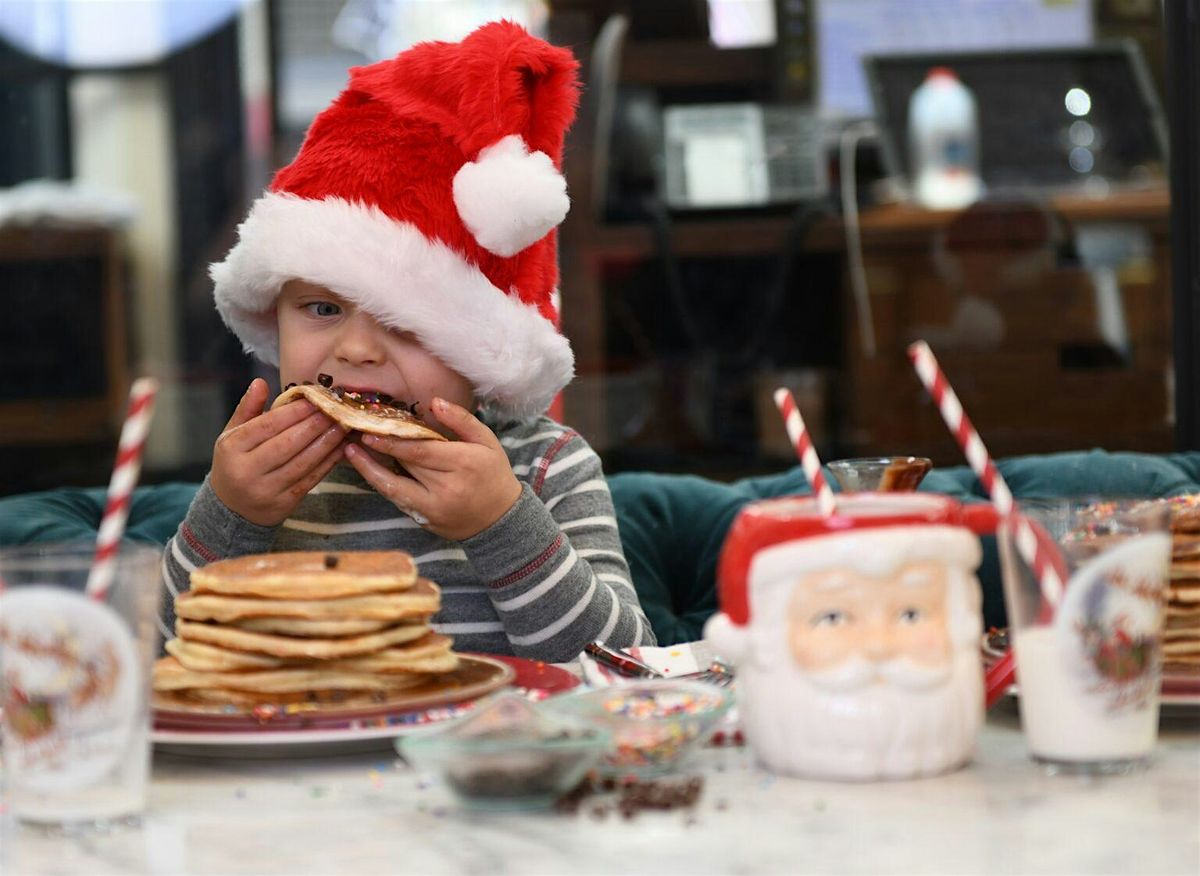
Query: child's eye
{"x": 832, "y": 618}
{"x": 910, "y": 615}
{"x": 323, "y": 308}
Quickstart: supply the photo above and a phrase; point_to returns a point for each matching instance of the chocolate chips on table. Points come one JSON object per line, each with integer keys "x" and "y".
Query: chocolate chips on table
{"x": 634, "y": 795}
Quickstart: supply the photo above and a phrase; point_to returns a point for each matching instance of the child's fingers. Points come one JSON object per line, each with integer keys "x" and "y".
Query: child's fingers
{"x": 250, "y": 405}
{"x": 463, "y": 423}
{"x": 405, "y": 493}
{"x": 249, "y": 436}
{"x": 282, "y": 447}
{"x": 416, "y": 452}
{"x": 293, "y": 468}
{"x": 302, "y": 487}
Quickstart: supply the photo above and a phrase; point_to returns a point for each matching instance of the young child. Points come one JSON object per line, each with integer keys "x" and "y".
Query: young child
{"x": 410, "y": 249}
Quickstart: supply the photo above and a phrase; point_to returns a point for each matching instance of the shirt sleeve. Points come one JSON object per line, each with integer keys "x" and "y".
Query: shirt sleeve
{"x": 209, "y": 532}
{"x": 553, "y": 563}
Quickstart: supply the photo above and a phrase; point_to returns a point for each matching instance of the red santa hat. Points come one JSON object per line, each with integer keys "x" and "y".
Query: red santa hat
{"x": 428, "y": 194}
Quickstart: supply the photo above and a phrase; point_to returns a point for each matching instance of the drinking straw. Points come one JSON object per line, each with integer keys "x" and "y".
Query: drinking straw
{"x": 120, "y": 486}
{"x": 1036, "y": 549}
{"x": 798, "y": 434}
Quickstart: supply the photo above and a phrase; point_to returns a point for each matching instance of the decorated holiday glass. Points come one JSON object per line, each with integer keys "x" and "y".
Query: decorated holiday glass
{"x": 74, "y": 683}
{"x": 856, "y": 635}
{"x": 1089, "y": 660}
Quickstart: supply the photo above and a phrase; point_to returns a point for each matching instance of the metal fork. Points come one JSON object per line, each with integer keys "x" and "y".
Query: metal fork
{"x": 718, "y": 672}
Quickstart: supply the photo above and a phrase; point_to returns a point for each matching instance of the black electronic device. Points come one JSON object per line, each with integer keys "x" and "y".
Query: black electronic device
{"x": 1058, "y": 119}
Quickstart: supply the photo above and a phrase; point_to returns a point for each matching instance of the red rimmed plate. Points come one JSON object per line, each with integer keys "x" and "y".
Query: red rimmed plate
{"x": 216, "y": 731}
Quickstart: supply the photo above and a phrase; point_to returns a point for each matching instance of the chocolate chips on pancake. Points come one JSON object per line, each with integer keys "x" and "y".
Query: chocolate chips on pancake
{"x": 371, "y": 412}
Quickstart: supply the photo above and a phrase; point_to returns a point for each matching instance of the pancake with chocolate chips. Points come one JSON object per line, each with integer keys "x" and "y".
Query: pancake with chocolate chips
{"x": 316, "y": 632}
{"x": 307, "y": 574}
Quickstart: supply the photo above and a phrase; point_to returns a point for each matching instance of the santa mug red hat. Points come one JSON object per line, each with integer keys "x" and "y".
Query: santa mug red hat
{"x": 775, "y": 540}
{"x": 428, "y": 194}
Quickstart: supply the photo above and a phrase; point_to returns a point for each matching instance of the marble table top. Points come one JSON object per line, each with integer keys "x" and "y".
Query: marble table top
{"x": 370, "y": 813}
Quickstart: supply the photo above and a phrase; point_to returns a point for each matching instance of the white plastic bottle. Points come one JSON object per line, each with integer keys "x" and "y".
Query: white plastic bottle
{"x": 943, "y": 139}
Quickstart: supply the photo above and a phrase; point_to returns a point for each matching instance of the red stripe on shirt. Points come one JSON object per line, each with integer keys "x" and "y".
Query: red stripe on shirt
{"x": 196, "y": 545}
{"x": 532, "y": 566}
{"x": 547, "y": 458}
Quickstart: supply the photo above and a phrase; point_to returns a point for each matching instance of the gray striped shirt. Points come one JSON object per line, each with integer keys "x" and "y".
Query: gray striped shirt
{"x": 542, "y": 581}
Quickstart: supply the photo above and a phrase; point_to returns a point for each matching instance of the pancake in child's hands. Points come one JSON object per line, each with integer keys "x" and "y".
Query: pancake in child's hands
{"x": 368, "y": 412}
{"x": 307, "y": 574}
{"x": 420, "y": 600}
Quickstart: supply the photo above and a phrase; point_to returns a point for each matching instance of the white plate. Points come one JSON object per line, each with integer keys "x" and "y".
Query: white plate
{"x": 284, "y": 743}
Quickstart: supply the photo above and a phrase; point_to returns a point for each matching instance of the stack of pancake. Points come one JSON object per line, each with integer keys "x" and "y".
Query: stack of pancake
{"x": 1181, "y": 637}
{"x": 304, "y": 627}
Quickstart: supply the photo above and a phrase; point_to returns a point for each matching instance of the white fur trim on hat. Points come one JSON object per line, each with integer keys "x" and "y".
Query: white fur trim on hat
{"x": 870, "y": 551}
{"x": 510, "y": 197}
{"x": 513, "y": 357}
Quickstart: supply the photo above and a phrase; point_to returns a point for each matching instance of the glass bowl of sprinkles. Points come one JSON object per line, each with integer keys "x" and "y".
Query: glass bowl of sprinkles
{"x": 655, "y": 724}
{"x": 508, "y": 753}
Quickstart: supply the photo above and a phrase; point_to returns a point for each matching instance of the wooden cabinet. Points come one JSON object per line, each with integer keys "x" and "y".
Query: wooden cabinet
{"x": 63, "y": 336}
{"x": 1028, "y": 328}
{"x": 1047, "y": 382}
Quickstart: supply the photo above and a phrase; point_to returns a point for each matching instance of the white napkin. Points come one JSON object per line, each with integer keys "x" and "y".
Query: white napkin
{"x": 670, "y": 660}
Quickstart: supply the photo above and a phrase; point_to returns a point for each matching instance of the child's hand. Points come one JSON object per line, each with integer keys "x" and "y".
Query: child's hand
{"x": 264, "y": 464}
{"x": 460, "y": 487}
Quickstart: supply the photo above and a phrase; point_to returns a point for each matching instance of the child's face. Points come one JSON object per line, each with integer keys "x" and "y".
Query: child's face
{"x": 322, "y": 333}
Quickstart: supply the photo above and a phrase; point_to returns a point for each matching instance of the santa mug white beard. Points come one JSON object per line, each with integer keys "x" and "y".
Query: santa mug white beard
{"x": 869, "y": 701}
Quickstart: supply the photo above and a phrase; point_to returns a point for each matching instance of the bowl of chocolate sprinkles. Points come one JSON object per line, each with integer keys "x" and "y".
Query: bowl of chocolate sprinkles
{"x": 507, "y": 754}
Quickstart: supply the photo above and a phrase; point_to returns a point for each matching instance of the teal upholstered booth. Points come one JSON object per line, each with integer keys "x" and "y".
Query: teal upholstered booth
{"x": 672, "y": 526}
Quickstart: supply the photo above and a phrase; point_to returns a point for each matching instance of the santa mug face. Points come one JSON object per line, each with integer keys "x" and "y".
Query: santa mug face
{"x": 841, "y": 620}
{"x": 856, "y": 637}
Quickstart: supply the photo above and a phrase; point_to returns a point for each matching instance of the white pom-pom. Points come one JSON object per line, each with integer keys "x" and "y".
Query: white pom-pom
{"x": 510, "y": 197}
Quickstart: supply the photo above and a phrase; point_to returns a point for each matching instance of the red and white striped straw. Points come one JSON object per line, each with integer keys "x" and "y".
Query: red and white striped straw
{"x": 120, "y": 486}
{"x": 1032, "y": 549}
{"x": 798, "y": 434}
{"x": 1037, "y": 550}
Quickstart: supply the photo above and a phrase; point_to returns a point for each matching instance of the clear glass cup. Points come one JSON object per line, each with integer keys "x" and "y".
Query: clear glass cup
{"x": 75, "y": 684}
{"x": 1089, "y": 669}
{"x": 880, "y": 474}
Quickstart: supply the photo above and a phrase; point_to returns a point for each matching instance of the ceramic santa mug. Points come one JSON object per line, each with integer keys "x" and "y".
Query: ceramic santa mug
{"x": 856, "y": 636}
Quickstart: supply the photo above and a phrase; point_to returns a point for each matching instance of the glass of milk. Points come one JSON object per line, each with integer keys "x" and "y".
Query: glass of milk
{"x": 1089, "y": 661}
{"x": 75, "y": 683}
